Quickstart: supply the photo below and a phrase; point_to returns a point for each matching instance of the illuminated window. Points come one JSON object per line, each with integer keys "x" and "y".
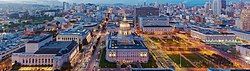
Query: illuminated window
{"x": 112, "y": 54}
{"x": 143, "y": 54}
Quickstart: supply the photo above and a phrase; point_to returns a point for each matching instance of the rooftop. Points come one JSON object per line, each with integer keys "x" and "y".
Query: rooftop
{"x": 57, "y": 47}
{"x": 211, "y": 32}
{"x": 125, "y": 42}
{"x": 11, "y": 43}
{"x": 245, "y": 46}
{"x": 39, "y": 38}
{"x": 153, "y": 17}
{"x": 238, "y": 30}
{"x": 86, "y": 24}
{"x": 75, "y": 32}
{"x": 157, "y": 25}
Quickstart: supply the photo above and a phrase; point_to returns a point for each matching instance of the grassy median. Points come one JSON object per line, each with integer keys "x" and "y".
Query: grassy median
{"x": 104, "y": 63}
{"x": 151, "y": 63}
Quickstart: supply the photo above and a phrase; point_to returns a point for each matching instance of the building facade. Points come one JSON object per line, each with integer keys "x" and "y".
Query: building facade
{"x": 126, "y": 46}
{"x": 217, "y": 7}
{"x": 212, "y": 36}
{"x": 244, "y": 23}
{"x": 155, "y": 24}
{"x": 146, "y": 11}
{"x": 42, "y": 51}
{"x": 82, "y": 37}
{"x": 158, "y": 29}
{"x": 241, "y": 34}
{"x": 244, "y": 51}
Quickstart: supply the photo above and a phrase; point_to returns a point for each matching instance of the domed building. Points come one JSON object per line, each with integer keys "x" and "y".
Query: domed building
{"x": 125, "y": 46}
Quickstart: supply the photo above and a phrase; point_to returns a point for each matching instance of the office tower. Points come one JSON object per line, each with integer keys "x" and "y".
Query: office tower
{"x": 240, "y": 4}
{"x": 244, "y": 23}
{"x": 146, "y": 11}
{"x": 223, "y": 4}
{"x": 65, "y": 6}
{"x": 207, "y": 8}
{"x": 217, "y": 7}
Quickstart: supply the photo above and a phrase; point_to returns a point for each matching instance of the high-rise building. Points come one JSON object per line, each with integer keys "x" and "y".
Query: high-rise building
{"x": 65, "y": 6}
{"x": 223, "y": 4}
{"x": 181, "y": 5}
{"x": 217, "y": 7}
{"x": 207, "y": 7}
{"x": 146, "y": 11}
{"x": 247, "y": 5}
{"x": 244, "y": 23}
{"x": 240, "y": 4}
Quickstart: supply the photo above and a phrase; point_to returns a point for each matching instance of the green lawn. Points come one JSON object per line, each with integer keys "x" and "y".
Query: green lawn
{"x": 176, "y": 59}
{"x": 151, "y": 63}
{"x": 217, "y": 59}
{"x": 198, "y": 61}
{"x": 155, "y": 39}
{"x": 104, "y": 63}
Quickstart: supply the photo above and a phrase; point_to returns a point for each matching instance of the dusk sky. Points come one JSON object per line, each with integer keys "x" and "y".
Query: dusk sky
{"x": 187, "y": 2}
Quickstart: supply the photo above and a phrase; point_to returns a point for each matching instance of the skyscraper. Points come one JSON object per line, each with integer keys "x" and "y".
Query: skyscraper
{"x": 244, "y": 23}
{"x": 206, "y": 7}
{"x": 217, "y": 7}
{"x": 240, "y": 5}
{"x": 65, "y": 6}
{"x": 223, "y": 6}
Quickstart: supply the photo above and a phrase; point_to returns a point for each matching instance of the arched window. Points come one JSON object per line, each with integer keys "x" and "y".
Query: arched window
{"x": 29, "y": 60}
{"x": 26, "y": 61}
{"x": 49, "y": 61}
{"x": 36, "y": 61}
{"x": 42, "y": 61}
{"x": 39, "y": 60}
{"x": 33, "y": 60}
{"x": 45, "y": 60}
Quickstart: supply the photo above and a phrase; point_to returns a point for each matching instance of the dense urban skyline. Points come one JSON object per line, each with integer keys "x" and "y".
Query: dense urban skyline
{"x": 122, "y": 35}
{"x": 131, "y": 2}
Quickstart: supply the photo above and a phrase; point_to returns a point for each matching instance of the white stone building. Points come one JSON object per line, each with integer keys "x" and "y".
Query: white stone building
{"x": 212, "y": 36}
{"x": 80, "y": 36}
{"x": 42, "y": 51}
{"x": 244, "y": 51}
{"x": 241, "y": 34}
{"x": 125, "y": 46}
{"x": 155, "y": 24}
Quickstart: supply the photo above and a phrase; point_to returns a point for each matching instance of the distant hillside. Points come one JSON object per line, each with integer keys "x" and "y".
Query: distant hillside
{"x": 42, "y": 2}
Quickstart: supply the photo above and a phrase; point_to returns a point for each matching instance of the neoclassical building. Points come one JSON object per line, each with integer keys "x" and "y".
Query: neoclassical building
{"x": 212, "y": 36}
{"x": 42, "y": 51}
{"x": 125, "y": 46}
{"x": 155, "y": 24}
{"x": 81, "y": 36}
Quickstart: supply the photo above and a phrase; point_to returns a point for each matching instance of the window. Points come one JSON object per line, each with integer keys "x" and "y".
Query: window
{"x": 49, "y": 61}
{"x": 33, "y": 61}
{"x": 30, "y": 60}
{"x": 26, "y": 61}
{"x": 42, "y": 61}
{"x": 39, "y": 60}
{"x": 46, "y": 61}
